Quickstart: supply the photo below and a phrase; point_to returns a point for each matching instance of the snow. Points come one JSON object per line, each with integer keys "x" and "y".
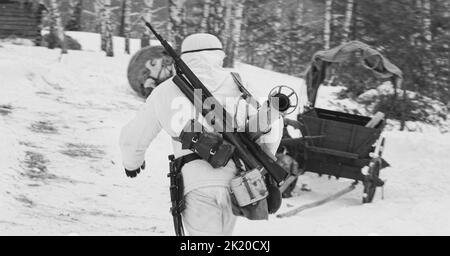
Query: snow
{"x": 61, "y": 170}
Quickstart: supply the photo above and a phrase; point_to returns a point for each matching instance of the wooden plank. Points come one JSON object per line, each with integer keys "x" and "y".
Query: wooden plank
{"x": 317, "y": 203}
{"x": 333, "y": 152}
{"x": 287, "y": 182}
{"x": 376, "y": 119}
{"x": 323, "y": 165}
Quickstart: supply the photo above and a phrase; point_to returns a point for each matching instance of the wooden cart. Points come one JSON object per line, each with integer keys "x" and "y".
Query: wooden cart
{"x": 336, "y": 143}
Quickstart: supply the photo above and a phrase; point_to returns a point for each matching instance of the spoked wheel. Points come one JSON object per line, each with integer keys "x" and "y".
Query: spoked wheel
{"x": 372, "y": 180}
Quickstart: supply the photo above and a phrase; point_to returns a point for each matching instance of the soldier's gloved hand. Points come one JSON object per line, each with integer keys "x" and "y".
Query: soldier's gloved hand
{"x": 134, "y": 173}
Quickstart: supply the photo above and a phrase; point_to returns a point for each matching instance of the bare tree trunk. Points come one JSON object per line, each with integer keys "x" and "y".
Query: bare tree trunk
{"x": 227, "y": 21}
{"x": 217, "y": 20}
{"x": 109, "y": 30}
{"x": 446, "y": 9}
{"x": 278, "y": 22}
{"x": 356, "y": 21}
{"x": 176, "y": 22}
{"x": 145, "y": 39}
{"x": 404, "y": 102}
{"x": 109, "y": 38}
{"x": 279, "y": 14}
{"x": 74, "y": 23}
{"x": 348, "y": 20}
{"x": 205, "y": 17}
{"x": 227, "y": 38}
{"x": 427, "y": 22}
{"x": 148, "y": 15}
{"x": 300, "y": 11}
{"x": 97, "y": 15}
{"x": 327, "y": 27}
{"x": 102, "y": 22}
{"x": 419, "y": 17}
{"x": 237, "y": 26}
{"x": 329, "y": 76}
{"x": 277, "y": 46}
{"x": 122, "y": 19}
{"x": 125, "y": 29}
{"x": 56, "y": 28}
{"x": 127, "y": 24}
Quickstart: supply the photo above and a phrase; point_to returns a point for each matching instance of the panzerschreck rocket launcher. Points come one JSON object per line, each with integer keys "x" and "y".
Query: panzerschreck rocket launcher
{"x": 248, "y": 151}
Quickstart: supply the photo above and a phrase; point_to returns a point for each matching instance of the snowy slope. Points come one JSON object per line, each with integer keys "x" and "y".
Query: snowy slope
{"x": 60, "y": 170}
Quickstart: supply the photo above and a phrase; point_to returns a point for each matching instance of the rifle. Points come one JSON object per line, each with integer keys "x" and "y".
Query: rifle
{"x": 249, "y": 151}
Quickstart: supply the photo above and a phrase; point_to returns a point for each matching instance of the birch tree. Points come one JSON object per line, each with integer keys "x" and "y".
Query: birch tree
{"x": 426, "y": 22}
{"x": 146, "y": 11}
{"x": 205, "y": 16}
{"x": 446, "y": 8}
{"x": 279, "y": 14}
{"x": 109, "y": 30}
{"x": 148, "y": 16}
{"x": 227, "y": 39}
{"x": 216, "y": 19}
{"x": 278, "y": 57}
{"x": 348, "y": 20}
{"x": 233, "y": 24}
{"x": 74, "y": 23}
{"x": 125, "y": 26}
{"x": 56, "y": 28}
{"x": 227, "y": 20}
{"x": 300, "y": 10}
{"x": 237, "y": 27}
{"x": 175, "y": 26}
{"x": 277, "y": 23}
{"x": 327, "y": 24}
{"x": 102, "y": 16}
{"x": 106, "y": 26}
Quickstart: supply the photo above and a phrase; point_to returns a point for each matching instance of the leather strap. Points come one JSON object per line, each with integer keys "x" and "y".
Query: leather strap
{"x": 182, "y": 160}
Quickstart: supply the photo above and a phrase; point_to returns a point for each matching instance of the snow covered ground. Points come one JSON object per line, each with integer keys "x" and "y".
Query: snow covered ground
{"x": 61, "y": 173}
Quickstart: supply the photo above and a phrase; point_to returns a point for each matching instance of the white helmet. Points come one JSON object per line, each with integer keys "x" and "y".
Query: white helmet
{"x": 200, "y": 42}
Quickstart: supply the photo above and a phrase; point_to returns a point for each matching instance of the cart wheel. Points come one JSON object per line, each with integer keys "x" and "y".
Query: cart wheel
{"x": 369, "y": 183}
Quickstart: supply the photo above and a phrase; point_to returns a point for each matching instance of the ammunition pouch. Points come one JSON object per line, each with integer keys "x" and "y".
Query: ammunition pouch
{"x": 254, "y": 195}
{"x": 210, "y": 146}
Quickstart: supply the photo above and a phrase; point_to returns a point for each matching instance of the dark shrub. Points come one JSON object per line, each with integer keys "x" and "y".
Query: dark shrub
{"x": 51, "y": 41}
{"x": 416, "y": 108}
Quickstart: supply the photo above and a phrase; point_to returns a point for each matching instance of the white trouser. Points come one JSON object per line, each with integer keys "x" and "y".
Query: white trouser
{"x": 208, "y": 212}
